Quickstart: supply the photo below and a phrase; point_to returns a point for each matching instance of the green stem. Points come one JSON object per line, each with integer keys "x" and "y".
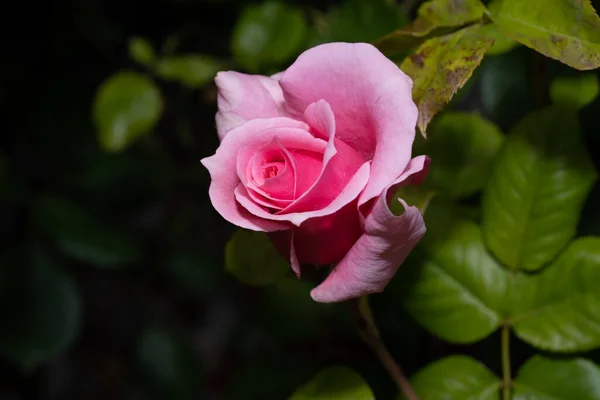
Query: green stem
{"x": 370, "y": 335}
{"x": 506, "y": 374}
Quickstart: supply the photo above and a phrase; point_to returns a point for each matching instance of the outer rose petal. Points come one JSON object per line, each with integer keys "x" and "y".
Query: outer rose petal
{"x": 224, "y": 177}
{"x": 243, "y": 97}
{"x": 371, "y": 99}
{"x": 386, "y": 241}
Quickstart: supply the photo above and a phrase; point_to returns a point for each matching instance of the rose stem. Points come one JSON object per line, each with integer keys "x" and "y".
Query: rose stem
{"x": 370, "y": 335}
{"x": 506, "y": 374}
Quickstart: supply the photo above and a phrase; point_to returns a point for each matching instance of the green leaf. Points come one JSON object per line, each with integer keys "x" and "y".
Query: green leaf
{"x": 435, "y": 17}
{"x": 168, "y": 364}
{"x": 502, "y": 43}
{"x": 542, "y": 378}
{"x": 84, "y": 236}
{"x": 440, "y": 67}
{"x": 192, "y": 70}
{"x": 462, "y": 147}
{"x": 566, "y": 30}
{"x": 42, "y": 312}
{"x": 253, "y": 259}
{"x": 267, "y": 35}
{"x": 335, "y": 383}
{"x": 127, "y": 106}
{"x": 559, "y": 309}
{"x": 539, "y": 183}
{"x": 360, "y": 21}
{"x": 141, "y": 51}
{"x": 458, "y": 289}
{"x": 574, "y": 92}
{"x": 456, "y": 378}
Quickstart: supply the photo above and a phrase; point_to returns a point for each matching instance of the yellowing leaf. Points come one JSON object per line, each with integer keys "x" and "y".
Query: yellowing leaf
{"x": 435, "y": 17}
{"x": 566, "y": 30}
{"x": 502, "y": 43}
{"x": 441, "y": 66}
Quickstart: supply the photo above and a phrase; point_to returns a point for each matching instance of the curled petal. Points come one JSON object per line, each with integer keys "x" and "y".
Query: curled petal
{"x": 243, "y": 97}
{"x": 385, "y": 243}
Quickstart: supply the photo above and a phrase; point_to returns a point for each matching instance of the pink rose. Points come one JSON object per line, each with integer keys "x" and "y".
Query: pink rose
{"x": 313, "y": 155}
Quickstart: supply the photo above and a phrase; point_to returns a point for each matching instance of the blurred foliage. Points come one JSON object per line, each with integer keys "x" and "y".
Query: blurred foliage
{"x": 335, "y": 383}
{"x": 119, "y": 280}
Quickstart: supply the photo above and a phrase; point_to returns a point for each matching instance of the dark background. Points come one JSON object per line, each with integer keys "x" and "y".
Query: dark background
{"x": 174, "y": 324}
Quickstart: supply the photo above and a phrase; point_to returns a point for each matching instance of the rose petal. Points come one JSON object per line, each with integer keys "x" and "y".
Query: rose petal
{"x": 347, "y": 195}
{"x": 292, "y": 139}
{"x": 340, "y": 163}
{"x": 243, "y": 97}
{"x": 273, "y": 170}
{"x": 224, "y": 176}
{"x": 293, "y": 258}
{"x": 371, "y": 99}
{"x": 385, "y": 243}
{"x": 326, "y": 240}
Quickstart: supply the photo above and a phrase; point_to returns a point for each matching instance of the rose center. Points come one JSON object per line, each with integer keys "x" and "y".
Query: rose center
{"x": 272, "y": 169}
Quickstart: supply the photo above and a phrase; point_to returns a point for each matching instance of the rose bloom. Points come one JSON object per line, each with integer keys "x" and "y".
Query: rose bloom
{"x": 313, "y": 156}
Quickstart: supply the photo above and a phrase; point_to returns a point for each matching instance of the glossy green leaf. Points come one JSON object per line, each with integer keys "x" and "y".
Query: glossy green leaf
{"x": 462, "y": 147}
{"x": 253, "y": 259}
{"x": 566, "y": 30}
{"x": 434, "y": 17}
{"x": 167, "y": 363}
{"x": 141, "y": 51}
{"x": 360, "y": 21}
{"x": 127, "y": 106}
{"x": 84, "y": 236}
{"x": 456, "y": 378}
{"x": 542, "y": 378}
{"x": 440, "y": 67}
{"x": 335, "y": 383}
{"x": 267, "y": 35}
{"x": 576, "y": 91}
{"x": 502, "y": 43}
{"x": 559, "y": 309}
{"x": 191, "y": 70}
{"x": 458, "y": 289}
{"x": 539, "y": 182}
{"x": 42, "y": 312}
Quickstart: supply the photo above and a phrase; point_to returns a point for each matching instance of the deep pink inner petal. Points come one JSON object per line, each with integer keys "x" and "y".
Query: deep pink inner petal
{"x": 310, "y": 167}
{"x": 273, "y": 171}
{"x": 267, "y": 162}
